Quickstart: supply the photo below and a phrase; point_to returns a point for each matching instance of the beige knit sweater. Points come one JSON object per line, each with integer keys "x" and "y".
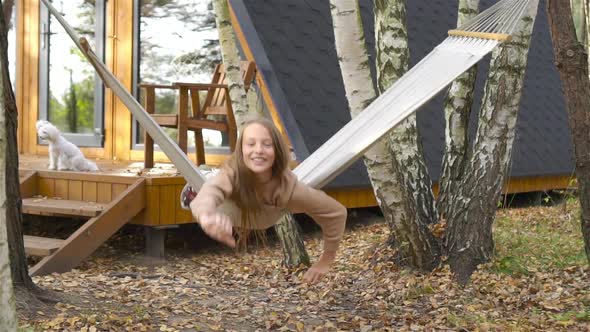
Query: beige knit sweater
{"x": 286, "y": 193}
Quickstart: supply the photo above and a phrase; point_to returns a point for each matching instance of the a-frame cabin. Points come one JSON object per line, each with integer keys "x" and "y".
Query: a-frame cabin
{"x": 298, "y": 84}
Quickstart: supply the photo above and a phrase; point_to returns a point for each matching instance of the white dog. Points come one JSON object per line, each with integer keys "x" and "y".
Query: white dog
{"x": 63, "y": 155}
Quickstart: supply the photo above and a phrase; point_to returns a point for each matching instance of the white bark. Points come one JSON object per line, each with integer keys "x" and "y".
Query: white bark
{"x": 352, "y": 54}
{"x": 580, "y": 16}
{"x": 231, "y": 60}
{"x": 8, "y": 320}
{"x": 255, "y": 101}
{"x": 408, "y": 235}
{"x": 356, "y": 75}
{"x": 457, "y": 111}
{"x": 416, "y": 209}
{"x": 469, "y": 235}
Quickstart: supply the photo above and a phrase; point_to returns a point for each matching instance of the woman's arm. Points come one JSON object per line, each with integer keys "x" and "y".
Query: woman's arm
{"x": 330, "y": 216}
{"x": 213, "y": 192}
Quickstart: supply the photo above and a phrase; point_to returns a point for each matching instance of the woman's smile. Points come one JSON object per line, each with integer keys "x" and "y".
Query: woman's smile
{"x": 258, "y": 150}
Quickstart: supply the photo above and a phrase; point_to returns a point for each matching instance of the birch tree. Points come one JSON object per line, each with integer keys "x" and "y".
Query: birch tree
{"x": 472, "y": 178}
{"x": 392, "y": 61}
{"x": 580, "y": 14}
{"x": 356, "y": 75}
{"x": 231, "y": 61}
{"x": 8, "y": 321}
{"x": 469, "y": 235}
{"x": 579, "y": 10}
{"x": 457, "y": 108}
{"x": 7, "y": 313}
{"x": 287, "y": 229}
{"x": 572, "y": 62}
{"x": 409, "y": 238}
{"x": 18, "y": 264}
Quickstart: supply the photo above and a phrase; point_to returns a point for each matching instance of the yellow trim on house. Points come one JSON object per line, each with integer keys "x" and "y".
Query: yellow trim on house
{"x": 537, "y": 183}
{"x": 162, "y": 193}
{"x": 259, "y": 80}
{"x": 120, "y": 42}
{"x": 358, "y": 198}
{"x": 27, "y": 91}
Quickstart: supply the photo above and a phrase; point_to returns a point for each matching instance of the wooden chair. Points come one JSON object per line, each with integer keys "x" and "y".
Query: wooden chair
{"x": 216, "y": 103}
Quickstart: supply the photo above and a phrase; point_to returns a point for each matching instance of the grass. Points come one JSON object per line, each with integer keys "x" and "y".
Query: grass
{"x": 26, "y": 329}
{"x": 580, "y": 316}
{"x": 538, "y": 239}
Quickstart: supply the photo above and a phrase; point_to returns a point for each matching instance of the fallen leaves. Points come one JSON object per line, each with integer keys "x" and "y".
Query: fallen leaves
{"x": 365, "y": 291}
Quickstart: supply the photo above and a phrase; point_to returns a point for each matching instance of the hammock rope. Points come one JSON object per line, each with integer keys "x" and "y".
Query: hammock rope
{"x": 464, "y": 47}
{"x": 457, "y": 53}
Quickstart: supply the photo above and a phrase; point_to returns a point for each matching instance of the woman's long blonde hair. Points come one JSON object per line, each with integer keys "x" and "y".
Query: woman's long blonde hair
{"x": 244, "y": 194}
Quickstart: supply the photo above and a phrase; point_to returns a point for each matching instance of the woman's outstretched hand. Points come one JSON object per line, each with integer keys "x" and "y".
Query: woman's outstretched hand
{"x": 219, "y": 227}
{"x": 318, "y": 270}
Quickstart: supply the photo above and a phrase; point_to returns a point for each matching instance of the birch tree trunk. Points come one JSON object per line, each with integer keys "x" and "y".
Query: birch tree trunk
{"x": 18, "y": 263}
{"x": 457, "y": 108}
{"x": 7, "y": 313}
{"x": 286, "y": 229}
{"x": 289, "y": 234}
{"x": 255, "y": 101}
{"x": 572, "y": 62}
{"x": 469, "y": 234}
{"x": 356, "y": 75}
{"x": 580, "y": 17}
{"x": 7, "y": 8}
{"x": 231, "y": 61}
{"x": 8, "y": 321}
{"x": 415, "y": 210}
{"x": 580, "y": 14}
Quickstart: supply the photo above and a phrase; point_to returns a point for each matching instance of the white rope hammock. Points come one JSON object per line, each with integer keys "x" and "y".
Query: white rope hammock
{"x": 463, "y": 48}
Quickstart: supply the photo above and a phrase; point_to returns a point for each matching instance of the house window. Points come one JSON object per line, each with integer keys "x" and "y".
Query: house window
{"x": 176, "y": 41}
{"x": 71, "y": 95}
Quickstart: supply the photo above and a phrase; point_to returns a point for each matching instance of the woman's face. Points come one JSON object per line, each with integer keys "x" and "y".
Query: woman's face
{"x": 258, "y": 150}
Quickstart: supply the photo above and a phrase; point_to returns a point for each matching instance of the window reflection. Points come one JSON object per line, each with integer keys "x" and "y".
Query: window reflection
{"x": 71, "y": 77}
{"x": 178, "y": 42}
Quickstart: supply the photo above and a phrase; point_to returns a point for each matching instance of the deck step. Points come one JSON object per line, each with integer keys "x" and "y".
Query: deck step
{"x": 41, "y": 246}
{"x": 95, "y": 231}
{"x": 61, "y": 207}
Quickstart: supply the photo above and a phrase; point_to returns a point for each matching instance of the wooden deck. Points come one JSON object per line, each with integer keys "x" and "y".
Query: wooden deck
{"x": 163, "y": 186}
{"x": 122, "y": 193}
{"x": 107, "y": 167}
{"x": 86, "y": 192}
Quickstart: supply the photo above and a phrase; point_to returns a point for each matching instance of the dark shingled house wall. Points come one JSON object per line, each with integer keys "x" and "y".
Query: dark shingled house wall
{"x": 297, "y": 38}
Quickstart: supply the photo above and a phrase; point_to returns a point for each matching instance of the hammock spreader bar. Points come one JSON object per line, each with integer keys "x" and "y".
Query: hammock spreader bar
{"x": 502, "y": 37}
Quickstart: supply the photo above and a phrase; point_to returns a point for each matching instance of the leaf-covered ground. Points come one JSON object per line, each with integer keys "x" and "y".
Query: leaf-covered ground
{"x": 539, "y": 281}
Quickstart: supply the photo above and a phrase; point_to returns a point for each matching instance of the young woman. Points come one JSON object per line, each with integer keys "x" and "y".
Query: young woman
{"x": 256, "y": 186}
